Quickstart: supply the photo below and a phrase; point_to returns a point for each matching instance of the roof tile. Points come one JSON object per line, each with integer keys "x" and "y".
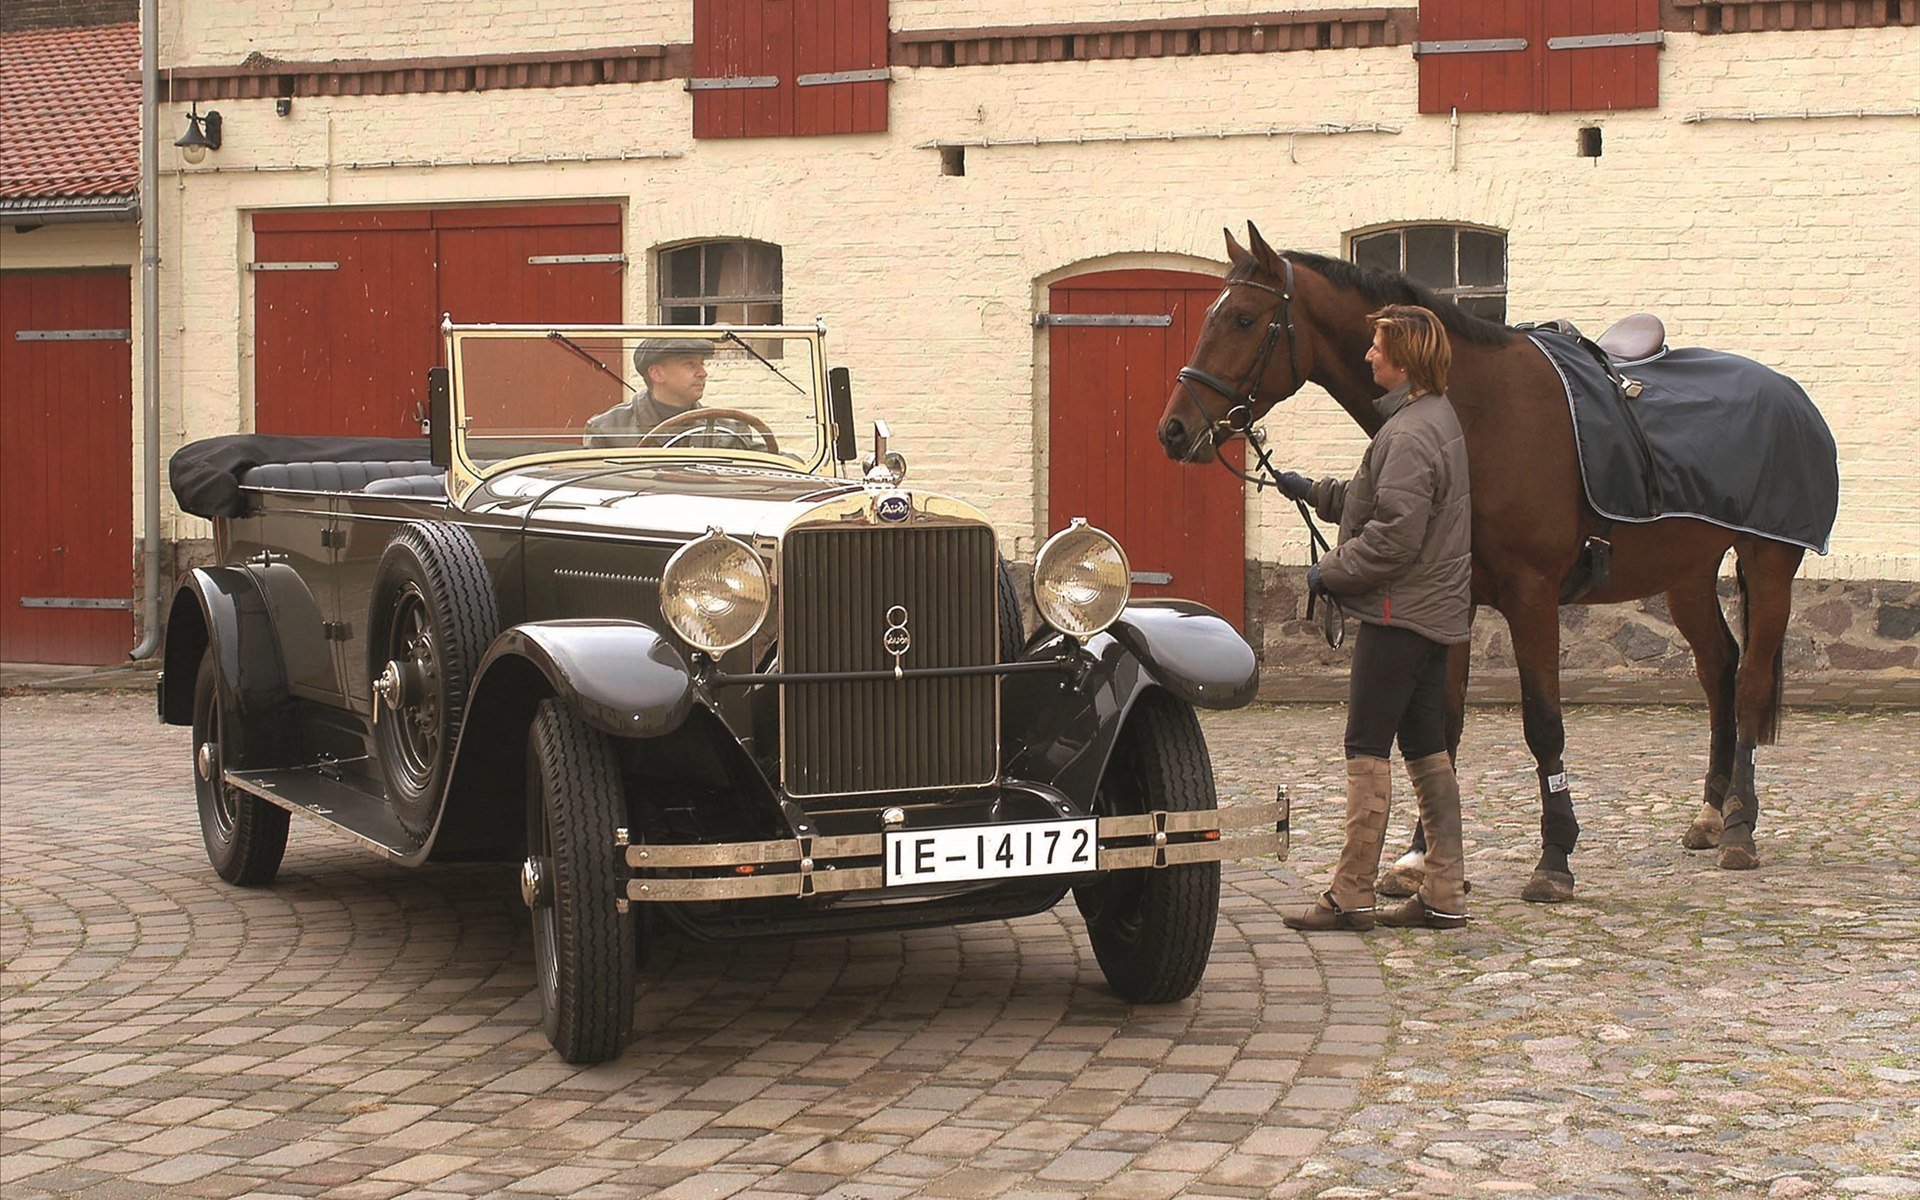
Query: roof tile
{"x": 70, "y": 111}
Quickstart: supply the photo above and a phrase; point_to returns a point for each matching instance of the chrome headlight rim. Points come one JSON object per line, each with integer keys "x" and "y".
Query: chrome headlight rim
{"x": 1047, "y": 559}
{"x": 677, "y": 562}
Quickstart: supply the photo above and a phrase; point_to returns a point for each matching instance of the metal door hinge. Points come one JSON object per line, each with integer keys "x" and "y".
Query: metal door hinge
{"x": 72, "y": 335}
{"x": 1102, "y": 320}
{"x": 333, "y": 537}
{"x": 336, "y": 631}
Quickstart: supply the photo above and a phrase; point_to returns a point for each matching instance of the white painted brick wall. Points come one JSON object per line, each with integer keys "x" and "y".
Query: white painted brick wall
{"x": 1785, "y": 240}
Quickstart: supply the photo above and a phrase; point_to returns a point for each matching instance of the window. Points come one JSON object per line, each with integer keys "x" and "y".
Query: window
{"x": 720, "y": 283}
{"x": 1466, "y": 265}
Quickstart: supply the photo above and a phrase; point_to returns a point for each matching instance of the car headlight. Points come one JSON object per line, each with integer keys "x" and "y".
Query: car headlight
{"x": 715, "y": 592}
{"x": 1081, "y": 580}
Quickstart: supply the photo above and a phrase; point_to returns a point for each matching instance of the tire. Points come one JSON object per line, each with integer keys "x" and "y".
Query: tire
{"x": 1152, "y": 928}
{"x": 433, "y": 614}
{"x": 1013, "y": 633}
{"x": 246, "y": 837}
{"x": 583, "y": 946}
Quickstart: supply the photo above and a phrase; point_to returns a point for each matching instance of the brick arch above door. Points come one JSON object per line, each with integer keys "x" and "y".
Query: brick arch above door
{"x": 1115, "y": 341}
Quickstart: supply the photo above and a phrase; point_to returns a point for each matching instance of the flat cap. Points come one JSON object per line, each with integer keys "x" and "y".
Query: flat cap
{"x": 652, "y": 350}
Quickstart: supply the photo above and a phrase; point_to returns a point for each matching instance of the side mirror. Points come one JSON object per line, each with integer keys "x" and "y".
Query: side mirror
{"x": 439, "y": 417}
{"x": 840, "y": 409}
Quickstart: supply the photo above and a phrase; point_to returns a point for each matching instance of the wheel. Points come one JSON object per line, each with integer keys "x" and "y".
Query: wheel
{"x": 245, "y": 836}
{"x": 1152, "y": 929}
{"x": 1013, "y": 634}
{"x": 583, "y": 945}
{"x": 709, "y": 422}
{"x": 433, "y": 614}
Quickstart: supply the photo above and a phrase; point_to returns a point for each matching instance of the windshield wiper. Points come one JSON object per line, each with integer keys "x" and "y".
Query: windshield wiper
{"x": 577, "y": 348}
{"x": 737, "y": 340}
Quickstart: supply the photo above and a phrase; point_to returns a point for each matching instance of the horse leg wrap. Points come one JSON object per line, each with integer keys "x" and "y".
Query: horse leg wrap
{"x": 1741, "y": 805}
{"x": 1559, "y": 831}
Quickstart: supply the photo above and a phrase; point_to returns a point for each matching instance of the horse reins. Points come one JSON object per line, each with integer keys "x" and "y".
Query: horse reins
{"x": 1239, "y": 417}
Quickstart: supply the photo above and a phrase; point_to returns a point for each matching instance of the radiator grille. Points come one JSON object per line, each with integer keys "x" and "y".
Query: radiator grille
{"x": 836, "y": 588}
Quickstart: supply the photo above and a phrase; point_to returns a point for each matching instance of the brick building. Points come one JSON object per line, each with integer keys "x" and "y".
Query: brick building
{"x": 931, "y": 176}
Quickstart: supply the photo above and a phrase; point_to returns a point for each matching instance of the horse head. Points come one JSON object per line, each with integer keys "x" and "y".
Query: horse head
{"x": 1247, "y": 360}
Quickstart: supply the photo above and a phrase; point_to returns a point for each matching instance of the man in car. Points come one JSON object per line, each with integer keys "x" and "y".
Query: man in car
{"x": 674, "y": 371}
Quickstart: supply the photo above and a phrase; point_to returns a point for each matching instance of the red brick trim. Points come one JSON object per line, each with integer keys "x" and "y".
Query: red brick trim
{"x": 259, "y": 77}
{"x": 1320, "y": 29}
{"x": 1756, "y": 16}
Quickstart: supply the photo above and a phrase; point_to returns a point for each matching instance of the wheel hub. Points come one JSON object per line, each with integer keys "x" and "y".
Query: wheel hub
{"x": 204, "y": 761}
{"x": 535, "y": 887}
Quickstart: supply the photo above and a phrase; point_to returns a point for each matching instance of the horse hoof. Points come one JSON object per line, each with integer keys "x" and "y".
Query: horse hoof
{"x": 1398, "y": 881}
{"x": 1548, "y": 887}
{"x": 1739, "y": 856}
{"x": 1704, "y": 833}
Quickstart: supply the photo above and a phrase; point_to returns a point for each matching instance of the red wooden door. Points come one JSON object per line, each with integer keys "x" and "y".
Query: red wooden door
{"x": 1183, "y": 527}
{"x": 347, "y": 305}
{"x": 66, "y": 490}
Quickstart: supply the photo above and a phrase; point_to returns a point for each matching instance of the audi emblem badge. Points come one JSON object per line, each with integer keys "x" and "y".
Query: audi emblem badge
{"x": 897, "y": 639}
{"x": 892, "y": 506}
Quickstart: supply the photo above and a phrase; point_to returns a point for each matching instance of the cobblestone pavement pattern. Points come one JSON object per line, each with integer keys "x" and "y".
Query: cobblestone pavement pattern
{"x": 359, "y": 1030}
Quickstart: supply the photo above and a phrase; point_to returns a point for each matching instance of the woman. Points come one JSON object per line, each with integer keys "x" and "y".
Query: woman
{"x": 1403, "y": 567}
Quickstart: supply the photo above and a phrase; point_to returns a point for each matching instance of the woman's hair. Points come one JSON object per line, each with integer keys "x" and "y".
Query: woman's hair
{"x": 1416, "y": 342}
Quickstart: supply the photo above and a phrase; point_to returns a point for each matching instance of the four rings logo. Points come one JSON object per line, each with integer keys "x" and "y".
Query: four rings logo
{"x": 897, "y": 640}
{"x": 892, "y": 506}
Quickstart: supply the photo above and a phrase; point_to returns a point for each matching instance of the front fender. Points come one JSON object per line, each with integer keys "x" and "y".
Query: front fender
{"x": 1061, "y": 729}
{"x": 621, "y": 676}
{"x": 1191, "y": 651}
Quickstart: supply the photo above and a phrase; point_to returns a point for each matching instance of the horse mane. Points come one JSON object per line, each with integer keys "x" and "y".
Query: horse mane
{"x": 1391, "y": 287}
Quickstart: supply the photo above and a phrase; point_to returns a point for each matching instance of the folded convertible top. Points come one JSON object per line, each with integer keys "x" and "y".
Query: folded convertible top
{"x": 205, "y": 475}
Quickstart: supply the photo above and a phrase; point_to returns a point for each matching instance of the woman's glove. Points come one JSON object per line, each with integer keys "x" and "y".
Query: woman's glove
{"x": 1294, "y": 485}
{"x": 1314, "y": 586}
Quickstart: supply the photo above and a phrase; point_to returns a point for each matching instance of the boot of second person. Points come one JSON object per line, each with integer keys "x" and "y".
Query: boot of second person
{"x": 1442, "y": 900}
{"x": 1348, "y": 902}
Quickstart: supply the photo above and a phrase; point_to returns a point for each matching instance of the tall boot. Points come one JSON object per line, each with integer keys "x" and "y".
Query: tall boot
{"x": 1348, "y": 903}
{"x": 1442, "y": 900}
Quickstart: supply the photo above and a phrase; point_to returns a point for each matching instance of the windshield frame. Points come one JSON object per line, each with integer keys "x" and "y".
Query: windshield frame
{"x": 465, "y": 472}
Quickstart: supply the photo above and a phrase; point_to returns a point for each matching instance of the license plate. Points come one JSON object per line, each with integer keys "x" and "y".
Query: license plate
{"x": 967, "y": 853}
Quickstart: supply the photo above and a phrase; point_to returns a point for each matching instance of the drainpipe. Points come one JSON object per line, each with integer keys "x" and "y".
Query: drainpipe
{"x": 150, "y": 316}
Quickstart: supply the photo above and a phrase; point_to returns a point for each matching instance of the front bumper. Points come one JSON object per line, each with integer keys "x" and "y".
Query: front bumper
{"x": 800, "y": 867}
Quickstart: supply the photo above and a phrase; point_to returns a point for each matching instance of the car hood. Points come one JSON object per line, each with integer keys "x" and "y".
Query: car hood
{"x": 674, "y": 499}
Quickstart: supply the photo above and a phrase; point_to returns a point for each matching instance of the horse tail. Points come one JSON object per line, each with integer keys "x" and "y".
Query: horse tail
{"x": 1769, "y": 731}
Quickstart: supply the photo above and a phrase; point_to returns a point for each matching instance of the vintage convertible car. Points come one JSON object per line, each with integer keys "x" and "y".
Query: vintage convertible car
{"x": 708, "y": 673}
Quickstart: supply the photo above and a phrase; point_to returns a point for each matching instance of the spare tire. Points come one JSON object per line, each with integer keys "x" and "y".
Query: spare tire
{"x": 434, "y": 613}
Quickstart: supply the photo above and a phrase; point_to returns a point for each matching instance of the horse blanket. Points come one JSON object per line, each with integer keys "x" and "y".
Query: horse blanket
{"x": 1711, "y": 435}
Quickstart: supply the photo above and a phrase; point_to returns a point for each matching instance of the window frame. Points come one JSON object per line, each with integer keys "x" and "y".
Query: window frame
{"x": 665, "y": 303}
{"x": 1455, "y": 291}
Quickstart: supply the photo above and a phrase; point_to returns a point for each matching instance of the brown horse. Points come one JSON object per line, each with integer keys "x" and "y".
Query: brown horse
{"x": 1283, "y": 320}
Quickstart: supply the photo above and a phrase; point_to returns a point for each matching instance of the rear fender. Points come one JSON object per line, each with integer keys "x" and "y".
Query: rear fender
{"x": 1061, "y": 729}
{"x": 221, "y": 608}
{"x": 622, "y": 677}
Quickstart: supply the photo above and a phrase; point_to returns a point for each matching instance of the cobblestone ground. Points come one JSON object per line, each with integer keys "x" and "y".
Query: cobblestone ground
{"x": 360, "y": 1030}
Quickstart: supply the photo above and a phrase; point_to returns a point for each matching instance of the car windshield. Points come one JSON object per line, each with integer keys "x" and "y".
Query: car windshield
{"x": 701, "y": 392}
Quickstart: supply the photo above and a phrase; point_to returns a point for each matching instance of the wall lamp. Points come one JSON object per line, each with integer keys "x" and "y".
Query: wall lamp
{"x": 202, "y": 135}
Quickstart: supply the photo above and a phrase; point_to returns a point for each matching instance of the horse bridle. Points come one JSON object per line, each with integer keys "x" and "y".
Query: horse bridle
{"x": 1240, "y": 400}
{"x": 1239, "y": 421}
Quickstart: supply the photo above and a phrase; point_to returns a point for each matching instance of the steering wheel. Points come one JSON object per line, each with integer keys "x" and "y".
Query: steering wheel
{"x": 682, "y": 426}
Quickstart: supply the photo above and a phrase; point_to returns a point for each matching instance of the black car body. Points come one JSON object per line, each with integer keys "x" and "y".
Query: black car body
{"x": 709, "y": 672}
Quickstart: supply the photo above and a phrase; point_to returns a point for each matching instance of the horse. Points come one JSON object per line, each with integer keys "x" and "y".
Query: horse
{"x": 1285, "y": 319}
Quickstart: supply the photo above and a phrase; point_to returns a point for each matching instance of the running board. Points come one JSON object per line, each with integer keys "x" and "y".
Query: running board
{"x": 363, "y": 816}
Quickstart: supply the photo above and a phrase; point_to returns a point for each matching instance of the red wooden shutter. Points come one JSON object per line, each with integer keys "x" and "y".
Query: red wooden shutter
{"x": 1538, "y": 55}
{"x": 1477, "y": 55}
{"x": 840, "y": 54}
{"x": 771, "y": 68}
{"x": 1601, "y": 54}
